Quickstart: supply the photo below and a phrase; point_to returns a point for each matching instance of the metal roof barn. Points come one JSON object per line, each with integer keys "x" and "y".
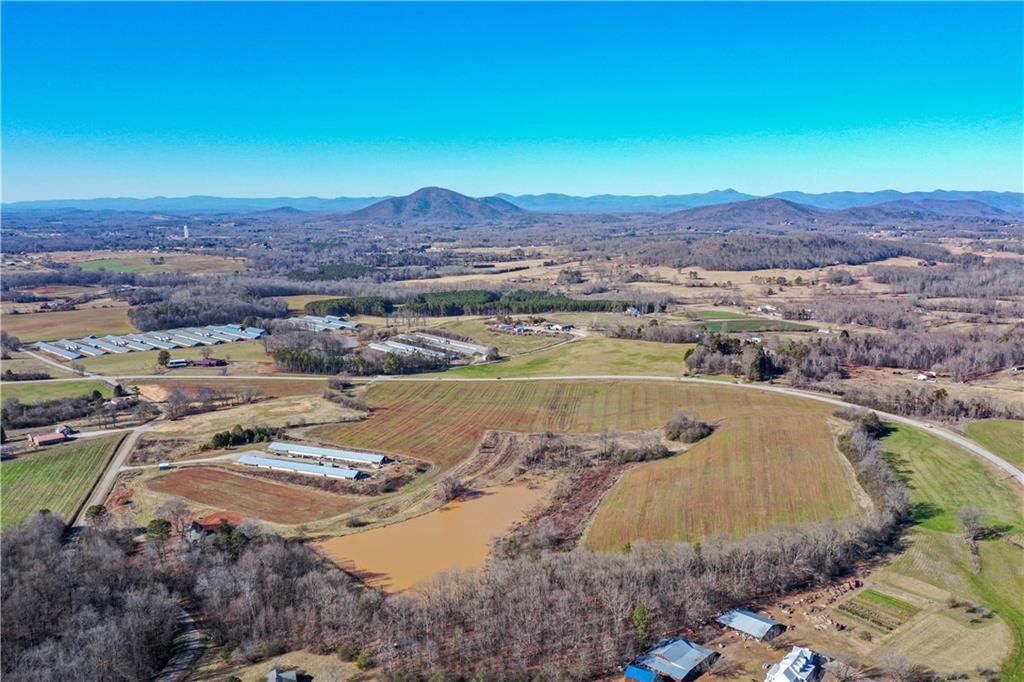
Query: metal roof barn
{"x": 79, "y": 347}
{"x": 678, "y": 659}
{"x": 185, "y": 334}
{"x": 462, "y": 347}
{"x": 411, "y": 350}
{"x": 300, "y": 467}
{"x": 152, "y": 341}
{"x": 254, "y": 332}
{"x": 234, "y": 333}
{"x": 128, "y": 342}
{"x": 328, "y": 453}
{"x": 182, "y": 341}
{"x": 105, "y": 345}
{"x": 59, "y": 352}
{"x": 750, "y": 623}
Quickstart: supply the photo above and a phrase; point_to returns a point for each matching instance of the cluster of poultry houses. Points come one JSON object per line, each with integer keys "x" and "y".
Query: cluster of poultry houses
{"x": 188, "y": 337}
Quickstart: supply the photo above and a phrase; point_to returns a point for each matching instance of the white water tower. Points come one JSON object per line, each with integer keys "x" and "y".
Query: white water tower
{"x": 184, "y": 232}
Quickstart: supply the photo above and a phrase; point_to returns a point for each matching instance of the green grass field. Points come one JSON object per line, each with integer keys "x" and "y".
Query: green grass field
{"x": 21, "y": 363}
{"x": 1004, "y": 437}
{"x": 943, "y": 478}
{"x": 56, "y": 478}
{"x": 508, "y": 344}
{"x": 710, "y": 315}
{"x": 35, "y": 392}
{"x": 755, "y": 324}
{"x": 70, "y": 324}
{"x": 592, "y": 356}
{"x": 144, "y": 362}
{"x": 145, "y": 262}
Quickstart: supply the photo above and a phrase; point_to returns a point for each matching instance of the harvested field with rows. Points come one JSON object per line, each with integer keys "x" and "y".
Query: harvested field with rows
{"x": 759, "y": 469}
{"x": 274, "y": 502}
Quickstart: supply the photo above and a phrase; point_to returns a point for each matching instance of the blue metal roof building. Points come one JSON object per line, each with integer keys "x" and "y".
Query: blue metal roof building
{"x": 79, "y": 347}
{"x": 105, "y": 345}
{"x": 328, "y": 453}
{"x": 638, "y": 674}
{"x": 753, "y": 624}
{"x": 300, "y": 467}
{"x": 677, "y": 659}
{"x": 59, "y": 352}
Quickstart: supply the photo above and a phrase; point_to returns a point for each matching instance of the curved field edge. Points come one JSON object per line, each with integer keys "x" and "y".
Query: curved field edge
{"x": 1004, "y": 437}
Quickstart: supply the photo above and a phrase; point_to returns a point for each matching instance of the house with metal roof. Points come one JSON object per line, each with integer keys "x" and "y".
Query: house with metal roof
{"x": 678, "y": 659}
{"x": 799, "y": 665}
{"x": 328, "y": 453}
{"x": 293, "y": 467}
{"x": 753, "y": 624}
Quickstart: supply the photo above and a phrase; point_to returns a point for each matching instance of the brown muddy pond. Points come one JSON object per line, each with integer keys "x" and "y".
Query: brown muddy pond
{"x": 456, "y": 536}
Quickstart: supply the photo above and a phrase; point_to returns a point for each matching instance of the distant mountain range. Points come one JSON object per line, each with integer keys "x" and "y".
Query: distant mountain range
{"x": 1010, "y": 202}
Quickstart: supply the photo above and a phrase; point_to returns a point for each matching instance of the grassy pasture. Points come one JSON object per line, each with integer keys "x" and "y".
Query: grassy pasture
{"x": 509, "y": 344}
{"x": 591, "y": 356}
{"x": 38, "y": 391}
{"x": 767, "y": 464}
{"x": 943, "y": 478}
{"x": 56, "y": 478}
{"x": 297, "y": 303}
{"x": 143, "y": 262}
{"x": 714, "y": 315}
{"x": 1004, "y": 437}
{"x": 144, "y": 362}
{"x": 755, "y": 324}
{"x": 21, "y": 363}
{"x": 251, "y": 496}
{"x": 71, "y": 324}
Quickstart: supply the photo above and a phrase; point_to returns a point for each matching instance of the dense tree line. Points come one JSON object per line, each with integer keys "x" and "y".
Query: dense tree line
{"x": 213, "y": 308}
{"x": 870, "y": 313}
{"x": 367, "y": 363}
{"x": 960, "y": 354}
{"x": 333, "y": 271}
{"x": 18, "y": 415}
{"x": 659, "y": 333}
{"x": 243, "y": 436}
{"x": 931, "y": 402}
{"x": 83, "y": 612}
{"x": 795, "y": 251}
{"x": 998, "y": 278}
{"x": 354, "y": 305}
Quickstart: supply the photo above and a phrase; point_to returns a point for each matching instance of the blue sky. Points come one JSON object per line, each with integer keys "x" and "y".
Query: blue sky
{"x": 239, "y": 99}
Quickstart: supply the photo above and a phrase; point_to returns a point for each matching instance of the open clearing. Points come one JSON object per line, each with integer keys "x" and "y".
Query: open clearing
{"x": 198, "y": 429}
{"x": 766, "y": 465}
{"x": 144, "y": 362}
{"x": 145, "y": 261}
{"x": 57, "y": 478}
{"x": 509, "y": 344}
{"x": 274, "y": 502}
{"x": 38, "y": 391}
{"x": 1004, "y": 437}
{"x": 593, "y": 355}
{"x": 158, "y": 389}
{"x": 71, "y": 324}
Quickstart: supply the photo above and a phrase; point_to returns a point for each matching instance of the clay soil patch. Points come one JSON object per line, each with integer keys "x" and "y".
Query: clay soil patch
{"x": 249, "y": 496}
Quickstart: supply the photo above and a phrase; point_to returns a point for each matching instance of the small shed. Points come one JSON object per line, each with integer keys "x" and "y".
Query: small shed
{"x": 753, "y": 624}
{"x": 41, "y": 439}
{"x": 637, "y": 674}
{"x": 276, "y": 675}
